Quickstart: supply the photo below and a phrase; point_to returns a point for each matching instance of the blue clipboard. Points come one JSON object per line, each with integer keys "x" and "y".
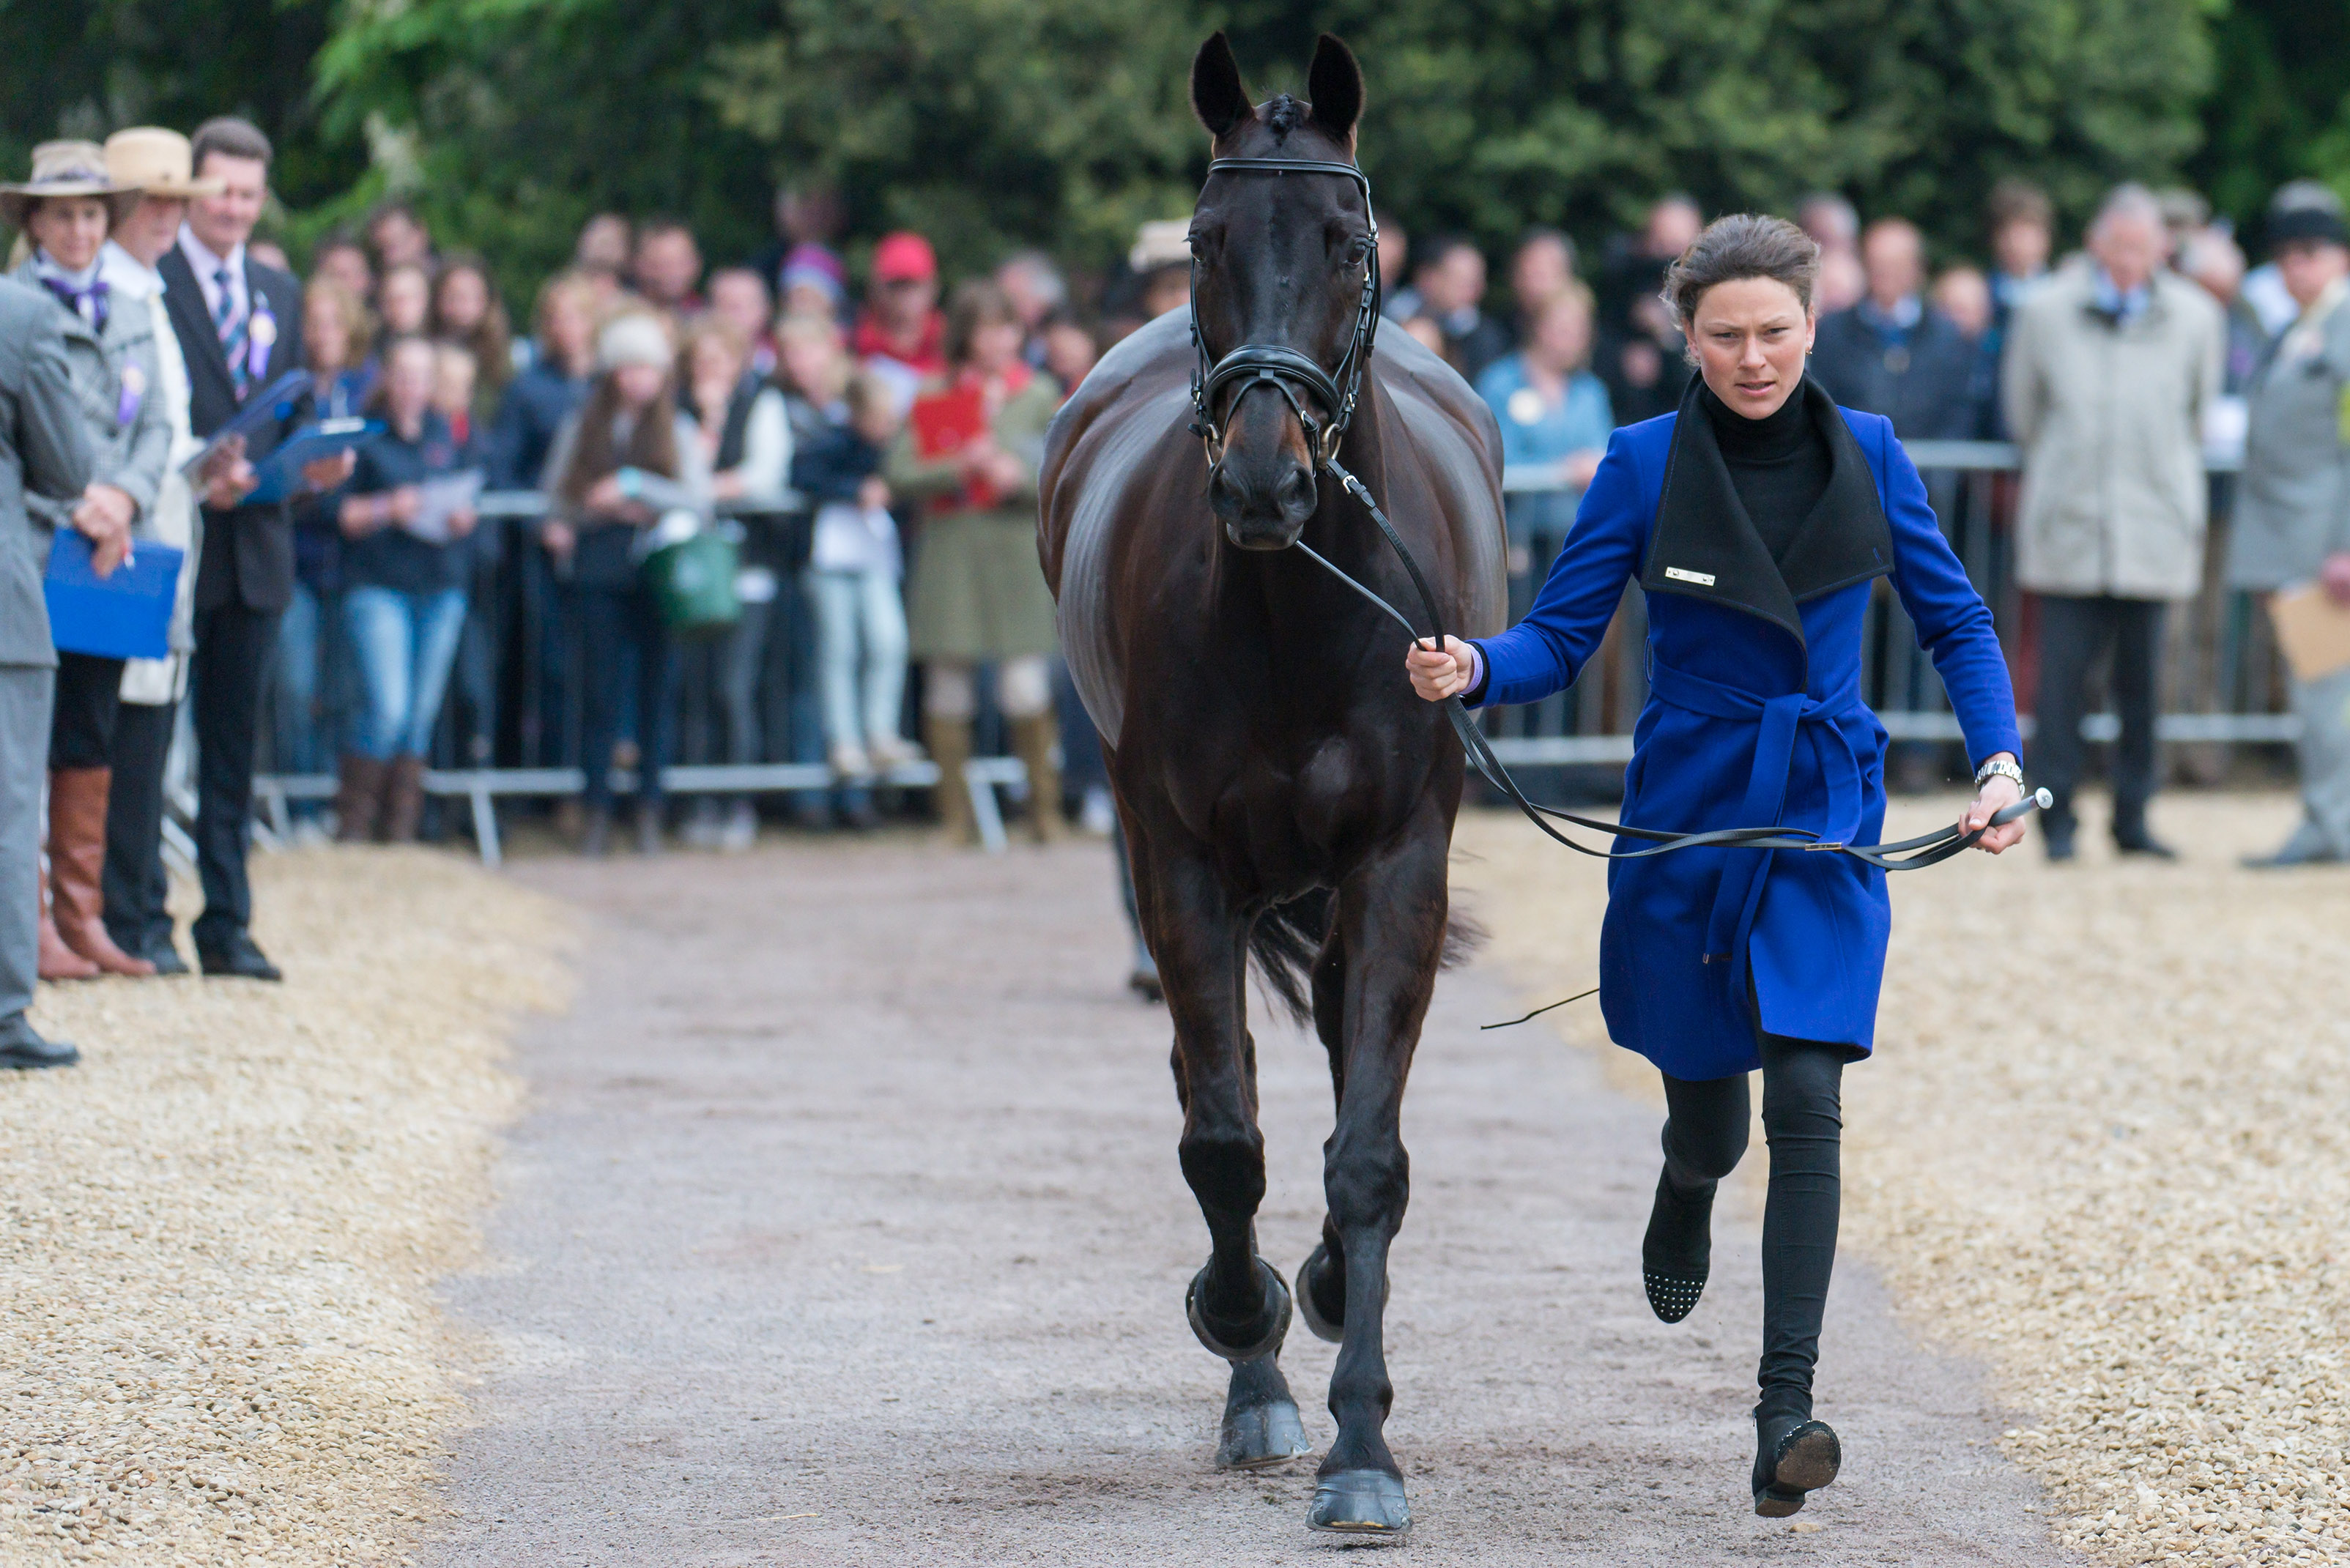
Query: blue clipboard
{"x": 126, "y": 614}
{"x": 280, "y": 475}
{"x": 275, "y": 402}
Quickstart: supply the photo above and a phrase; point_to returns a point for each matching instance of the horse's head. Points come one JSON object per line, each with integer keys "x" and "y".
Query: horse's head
{"x": 1281, "y": 264}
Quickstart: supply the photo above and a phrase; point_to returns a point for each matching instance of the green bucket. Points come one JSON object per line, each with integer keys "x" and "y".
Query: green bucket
{"x": 693, "y": 583}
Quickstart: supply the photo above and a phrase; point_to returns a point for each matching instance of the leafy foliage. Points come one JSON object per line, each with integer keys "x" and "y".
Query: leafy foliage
{"x": 1062, "y": 122}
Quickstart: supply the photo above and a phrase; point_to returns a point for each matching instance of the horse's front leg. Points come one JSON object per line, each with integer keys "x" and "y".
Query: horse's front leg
{"x": 1237, "y": 1304}
{"x": 1390, "y": 928}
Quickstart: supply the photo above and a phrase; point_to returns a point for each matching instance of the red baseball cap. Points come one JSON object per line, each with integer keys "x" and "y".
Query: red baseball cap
{"x": 904, "y": 256}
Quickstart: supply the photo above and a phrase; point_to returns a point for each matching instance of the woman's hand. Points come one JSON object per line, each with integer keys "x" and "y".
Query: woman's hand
{"x": 1438, "y": 675}
{"x": 1996, "y": 794}
{"x": 462, "y": 521}
{"x": 2335, "y": 575}
{"x": 873, "y": 492}
{"x": 605, "y": 495}
{"x": 558, "y": 538}
{"x": 103, "y": 516}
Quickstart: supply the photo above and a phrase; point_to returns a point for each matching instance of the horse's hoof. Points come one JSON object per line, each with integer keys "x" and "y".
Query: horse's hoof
{"x": 1360, "y": 1502}
{"x": 1333, "y": 1329}
{"x": 1274, "y": 1311}
{"x": 1271, "y": 1433}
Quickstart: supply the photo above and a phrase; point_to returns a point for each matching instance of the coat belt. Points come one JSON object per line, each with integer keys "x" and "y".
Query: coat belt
{"x": 1777, "y": 721}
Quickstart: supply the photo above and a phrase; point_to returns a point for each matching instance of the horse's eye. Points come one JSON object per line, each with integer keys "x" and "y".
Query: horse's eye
{"x": 1358, "y": 251}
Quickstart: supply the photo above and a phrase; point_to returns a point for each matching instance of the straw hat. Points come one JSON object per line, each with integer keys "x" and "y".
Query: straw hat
{"x": 155, "y": 162}
{"x": 64, "y": 169}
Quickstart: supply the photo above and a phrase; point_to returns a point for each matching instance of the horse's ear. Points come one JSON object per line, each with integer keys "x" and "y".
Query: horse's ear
{"x": 1336, "y": 84}
{"x": 1218, "y": 95}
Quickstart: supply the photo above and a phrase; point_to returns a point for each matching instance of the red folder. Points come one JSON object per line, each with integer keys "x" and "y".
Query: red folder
{"x": 944, "y": 423}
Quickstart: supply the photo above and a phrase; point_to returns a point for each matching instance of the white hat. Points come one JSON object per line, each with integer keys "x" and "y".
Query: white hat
{"x": 634, "y": 337}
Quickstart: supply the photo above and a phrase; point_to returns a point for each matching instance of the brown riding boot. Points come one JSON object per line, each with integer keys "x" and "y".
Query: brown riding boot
{"x": 403, "y": 799}
{"x": 77, "y": 868}
{"x": 358, "y": 799}
{"x": 1035, "y": 741}
{"x": 950, "y": 743}
{"x": 56, "y": 960}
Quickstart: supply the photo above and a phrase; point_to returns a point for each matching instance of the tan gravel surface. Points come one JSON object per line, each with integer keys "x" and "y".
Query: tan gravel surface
{"x": 218, "y": 1340}
{"x": 843, "y": 1227}
{"x": 2105, "y": 1145}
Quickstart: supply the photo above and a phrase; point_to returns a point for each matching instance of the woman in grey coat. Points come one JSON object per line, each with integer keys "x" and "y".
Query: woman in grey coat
{"x": 2292, "y": 512}
{"x": 66, "y": 211}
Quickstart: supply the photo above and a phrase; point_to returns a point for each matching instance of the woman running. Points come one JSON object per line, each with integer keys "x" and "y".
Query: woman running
{"x": 1757, "y": 519}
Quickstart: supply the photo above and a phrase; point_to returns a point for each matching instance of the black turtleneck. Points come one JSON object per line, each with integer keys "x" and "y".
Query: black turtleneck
{"x": 1779, "y": 464}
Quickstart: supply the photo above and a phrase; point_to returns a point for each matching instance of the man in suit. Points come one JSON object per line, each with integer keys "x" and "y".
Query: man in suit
{"x": 239, "y": 326}
{"x": 44, "y": 449}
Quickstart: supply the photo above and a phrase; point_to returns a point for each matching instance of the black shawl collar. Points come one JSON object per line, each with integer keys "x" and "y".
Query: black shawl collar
{"x": 1706, "y": 547}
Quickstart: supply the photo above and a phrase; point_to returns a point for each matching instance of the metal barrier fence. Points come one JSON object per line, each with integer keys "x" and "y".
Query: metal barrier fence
{"x": 510, "y": 727}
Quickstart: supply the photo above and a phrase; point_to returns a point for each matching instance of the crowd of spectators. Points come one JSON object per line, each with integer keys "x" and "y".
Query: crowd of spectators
{"x": 865, "y": 442}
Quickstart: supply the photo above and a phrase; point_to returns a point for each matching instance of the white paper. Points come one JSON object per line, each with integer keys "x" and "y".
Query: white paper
{"x": 439, "y": 499}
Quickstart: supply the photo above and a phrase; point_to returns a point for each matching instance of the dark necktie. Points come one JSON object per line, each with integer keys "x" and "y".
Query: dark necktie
{"x": 232, "y": 325}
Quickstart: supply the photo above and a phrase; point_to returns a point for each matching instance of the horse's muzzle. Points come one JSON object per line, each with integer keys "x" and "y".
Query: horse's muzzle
{"x": 1261, "y": 509}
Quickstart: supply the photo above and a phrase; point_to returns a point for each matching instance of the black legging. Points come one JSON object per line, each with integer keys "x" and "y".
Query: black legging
{"x": 1705, "y": 1133}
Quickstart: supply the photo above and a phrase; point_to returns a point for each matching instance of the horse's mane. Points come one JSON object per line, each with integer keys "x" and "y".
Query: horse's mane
{"x": 1286, "y": 114}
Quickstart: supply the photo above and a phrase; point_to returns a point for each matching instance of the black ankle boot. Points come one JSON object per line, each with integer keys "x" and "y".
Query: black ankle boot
{"x": 1677, "y": 1252}
{"x": 1793, "y": 1455}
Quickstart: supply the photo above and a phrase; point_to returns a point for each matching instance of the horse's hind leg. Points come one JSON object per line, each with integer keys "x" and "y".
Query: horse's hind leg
{"x": 1237, "y": 1304}
{"x": 1390, "y": 928}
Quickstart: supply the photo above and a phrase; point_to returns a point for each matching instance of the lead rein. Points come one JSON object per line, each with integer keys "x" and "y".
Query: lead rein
{"x": 1909, "y": 855}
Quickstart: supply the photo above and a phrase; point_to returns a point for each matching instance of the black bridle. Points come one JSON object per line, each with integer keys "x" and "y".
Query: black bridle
{"x": 1286, "y": 369}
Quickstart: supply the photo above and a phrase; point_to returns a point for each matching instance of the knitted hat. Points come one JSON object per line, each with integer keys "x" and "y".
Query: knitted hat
{"x": 634, "y": 337}
{"x": 2306, "y": 210}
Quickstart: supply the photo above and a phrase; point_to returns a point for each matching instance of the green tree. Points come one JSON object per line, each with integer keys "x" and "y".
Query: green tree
{"x": 2279, "y": 108}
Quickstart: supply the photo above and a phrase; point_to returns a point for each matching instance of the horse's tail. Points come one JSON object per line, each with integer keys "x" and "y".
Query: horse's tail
{"x": 1284, "y": 941}
{"x": 1287, "y": 937}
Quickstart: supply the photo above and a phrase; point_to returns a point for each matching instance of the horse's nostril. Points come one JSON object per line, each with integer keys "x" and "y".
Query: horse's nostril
{"x": 1294, "y": 494}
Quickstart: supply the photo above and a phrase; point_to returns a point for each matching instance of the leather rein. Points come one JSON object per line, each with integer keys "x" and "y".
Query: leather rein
{"x": 1286, "y": 370}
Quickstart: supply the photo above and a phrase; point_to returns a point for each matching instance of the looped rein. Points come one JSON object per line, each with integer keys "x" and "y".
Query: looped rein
{"x": 1284, "y": 368}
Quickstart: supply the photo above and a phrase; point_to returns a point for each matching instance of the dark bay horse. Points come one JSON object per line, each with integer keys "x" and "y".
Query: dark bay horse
{"x": 1284, "y": 795}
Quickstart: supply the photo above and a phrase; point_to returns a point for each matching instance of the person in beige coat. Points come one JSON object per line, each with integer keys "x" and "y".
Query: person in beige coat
{"x": 159, "y": 165}
{"x": 2110, "y": 365}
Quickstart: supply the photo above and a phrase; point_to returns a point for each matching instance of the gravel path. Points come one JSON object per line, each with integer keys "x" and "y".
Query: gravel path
{"x": 844, "y": 1227}
{"x": 219, "y": 1235}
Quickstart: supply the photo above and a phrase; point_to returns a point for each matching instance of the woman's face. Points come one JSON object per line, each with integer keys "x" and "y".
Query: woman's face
{"x": 1751, "y": 336}
{"x": 714, "y": 364}
{"x": 70, "y": 228}
{"x": 346, "y": 264}
{"x": 325, "y": 339}
{"x": 464, "y": 299}
{"x": 408, "y": 381}
{"x": 809, "y": 365}
{"x": 570, "y": 328}
{"x": 994, "y": 345}
{"x": 638, "y": 385}
{"x": 1563, "y": 334}
{"x": 404, "y": 301}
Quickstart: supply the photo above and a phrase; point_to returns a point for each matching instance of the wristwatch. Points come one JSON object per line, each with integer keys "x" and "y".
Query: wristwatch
{"x": 1999, "y": 767}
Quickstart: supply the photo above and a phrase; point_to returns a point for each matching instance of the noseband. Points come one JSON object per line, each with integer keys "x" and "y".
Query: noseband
{"x": 1284, "y": 369}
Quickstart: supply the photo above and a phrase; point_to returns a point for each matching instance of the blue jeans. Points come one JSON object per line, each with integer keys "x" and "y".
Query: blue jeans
{"x": 622, "y": 637}
{"x": 854, "y": 610}
{"x": 402, "y": 645}
{"x": 304, "y": 686}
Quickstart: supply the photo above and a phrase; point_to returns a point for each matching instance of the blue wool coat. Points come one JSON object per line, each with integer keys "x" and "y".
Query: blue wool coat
{"x": 1754, "y": 717}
